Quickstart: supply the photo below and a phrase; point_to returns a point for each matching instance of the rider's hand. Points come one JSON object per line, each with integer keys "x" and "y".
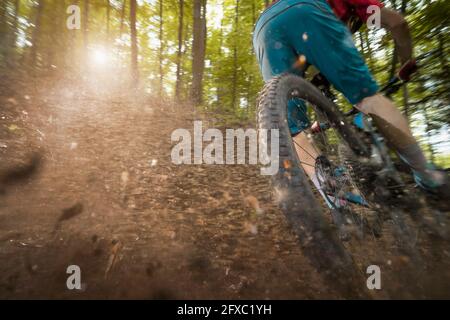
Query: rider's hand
{"x": 407, "y": 70}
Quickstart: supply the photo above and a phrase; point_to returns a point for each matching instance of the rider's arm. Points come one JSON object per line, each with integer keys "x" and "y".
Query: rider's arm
{"x": 398, "y": 27}
{"x": 390, "y": 20}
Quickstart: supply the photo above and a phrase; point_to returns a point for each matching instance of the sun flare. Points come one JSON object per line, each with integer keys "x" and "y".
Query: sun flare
{"x": 100, "y": 57}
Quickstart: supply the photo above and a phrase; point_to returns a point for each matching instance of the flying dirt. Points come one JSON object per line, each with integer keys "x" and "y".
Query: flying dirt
{"x": 89, "y": 181}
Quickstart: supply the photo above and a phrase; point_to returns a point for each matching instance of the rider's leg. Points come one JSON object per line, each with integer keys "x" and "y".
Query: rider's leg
{"x": 304, "y": 146}
{"x": 307, "y": 154}
{"x": 394, "y": 127}
{"x": 389, "y": 120}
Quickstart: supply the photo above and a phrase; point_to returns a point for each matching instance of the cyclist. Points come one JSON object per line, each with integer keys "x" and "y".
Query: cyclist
{"x": 290, "y": 35}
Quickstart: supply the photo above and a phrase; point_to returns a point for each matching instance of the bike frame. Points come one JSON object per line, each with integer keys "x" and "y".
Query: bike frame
{"x": 362, "y": 122}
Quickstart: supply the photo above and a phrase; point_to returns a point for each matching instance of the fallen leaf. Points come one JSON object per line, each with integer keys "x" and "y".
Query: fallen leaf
{"x": 251, "y": 228}
{"x": 226, "y": 196}
{"x": 287, "y": 164}
{"x": 117, "y": 245}
{"x": 254, "y": 203}
{"x": 13, "y": 127}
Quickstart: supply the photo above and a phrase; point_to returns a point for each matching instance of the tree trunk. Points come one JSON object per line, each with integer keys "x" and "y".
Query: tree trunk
{"x": 235, "y": 57}
{"x": 15, "y": 24}
{"x": 161, "y": 47}
{"x": 369, "y": 50}
{"x": 363, "y": 49}
{"x": 122, "y": 17}
{"x": 253, "y": 20}
{"x": 36, "y": 32}
{"x": 12, "y": 35}
{"x": 180, "y": 48}
{"x": 184, "y": 52}
{"x": 403, "y": 7}
{"x": 220, "y": 89}
{"x": 198, "y": 50}
{"x": 3, "y": 28}
{"x": 205, "y": 33}
{"x": 395, "y": 57}
{"x": 108, "y": 20}
{"x": 134, "y": 45}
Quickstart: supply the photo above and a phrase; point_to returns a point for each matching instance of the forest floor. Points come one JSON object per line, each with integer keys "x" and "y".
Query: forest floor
{"x": 104, "y": 195}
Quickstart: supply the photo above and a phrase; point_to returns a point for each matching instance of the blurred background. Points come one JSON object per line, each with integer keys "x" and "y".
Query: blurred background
{"x": 201, "y": 51}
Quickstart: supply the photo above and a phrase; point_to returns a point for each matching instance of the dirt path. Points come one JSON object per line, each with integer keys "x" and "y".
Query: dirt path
{"x": 137, "y": 225}
{"x": 108, "y": 199}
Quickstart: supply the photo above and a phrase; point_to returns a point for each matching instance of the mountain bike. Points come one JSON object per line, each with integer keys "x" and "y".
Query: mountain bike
{"x": 358, "y": 174}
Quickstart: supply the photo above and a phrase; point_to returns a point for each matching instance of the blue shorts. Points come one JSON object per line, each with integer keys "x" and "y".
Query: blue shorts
{"x": 309, "y": 28}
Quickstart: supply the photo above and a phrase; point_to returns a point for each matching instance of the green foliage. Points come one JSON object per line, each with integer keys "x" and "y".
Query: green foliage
{"x": 231, "y": 79}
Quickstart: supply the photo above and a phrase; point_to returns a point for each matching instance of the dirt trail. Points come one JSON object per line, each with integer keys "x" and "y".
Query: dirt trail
{"x": 108, "y": 199}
